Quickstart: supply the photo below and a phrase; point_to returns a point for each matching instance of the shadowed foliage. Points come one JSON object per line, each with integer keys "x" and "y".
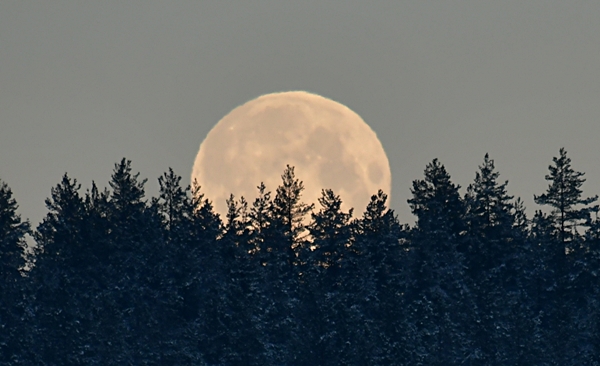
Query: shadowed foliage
{"x": 115, "y": 278}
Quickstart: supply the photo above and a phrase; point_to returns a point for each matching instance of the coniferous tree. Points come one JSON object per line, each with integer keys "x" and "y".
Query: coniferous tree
{"x": 177, "y": 270}
{"x": 543, "y": 276}
{"x": 565, "y": 249}
{"x": 323, "y": 314}
{"x": 440, "y": 303}
{"x": 381, "y": 282}
{"x": 12, "y": 236}
{"x": 588, "y": 315}
{"x": 115, "y": 280}
{"x": 135, "y": 249}
{"x": 202, "y": 292}
{"x": 260, "y": 222}
{"x": 285, "y": 239}
{"x": 330, "y": 231}
{"x": 173, "y": 203}
{"x": 495, "y": 242}
{"x": 438, "y": 206}
{"x": 13, "y": 319}
{"x": 289, "y": 212}
{"x": 260, "y": 297}
{"x": 245, "y": 292}
{"x": 569, "y": 210}
{"x": 63, "y": 292}
{"x": 206, "y": 223}
{"x": 489, "y": 218}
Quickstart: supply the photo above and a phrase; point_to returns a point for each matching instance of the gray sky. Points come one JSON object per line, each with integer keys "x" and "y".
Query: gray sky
{"x": 85, "y": 83}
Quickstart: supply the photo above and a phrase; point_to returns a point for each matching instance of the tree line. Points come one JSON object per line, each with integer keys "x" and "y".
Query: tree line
{"x": 115, "y": 278}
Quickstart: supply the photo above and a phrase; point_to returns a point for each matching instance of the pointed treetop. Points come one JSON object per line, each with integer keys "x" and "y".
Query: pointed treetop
{"x": 564, "y": 196}
{"x": 127, "y": 188}
{"x": 488, "y": 202}
{"x": 12, "y": 235}
{"x": 287, "y": 205}
{"x": 436, "y": 201}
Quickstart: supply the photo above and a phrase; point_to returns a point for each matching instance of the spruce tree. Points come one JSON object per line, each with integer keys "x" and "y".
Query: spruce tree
{"x": 323, "y": 312}
{"x": 260, "y": 222}
{"x": 330, "y": 231}
{"x": 489, "y": 218}
{"x": 493, "y": 250}
{"x": 285, "y": 238}
{"x": 437, "y": 203}
{"x": 135, "y": 253}
{"x": 12, "y": 236}
{"x": 439, "y": 303}
{"x": 172, "y": 202}
{"x": 64, "y": 293}
{"x": 289, "y": 213}
{"x": 13, "y": 230}
{"x": 177, "y": 270}
{"x": 380, "y": 281}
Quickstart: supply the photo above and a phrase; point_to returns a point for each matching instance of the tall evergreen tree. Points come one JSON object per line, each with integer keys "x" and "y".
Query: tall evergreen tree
{"x": 12, "y": 236}
{"x": 437, "y": 203}
{"x": 440, "y": 303}
{"x": 62, "y": 291}
{"x": 173, "y": 202}
{"x": 569, "y": 210}
{"x": 285, "y": 237}
{"x": 260, "y": 222}
{"x": 322, "y": 315}
{"x": 289, "y": 212}
{"x": 489, "y": 218}
{"x": 177, "y": 271}
{"x": 558, "y": 239}
{"x": 493, "y": 250}
{"x": 588, "y": 314}
{"x": 135, "y": 248}
{"x": 380, "y": 280}
{"x": 330, "y": 231}
{"x": 12, "y": 282}
{"x": 562, "y": 247}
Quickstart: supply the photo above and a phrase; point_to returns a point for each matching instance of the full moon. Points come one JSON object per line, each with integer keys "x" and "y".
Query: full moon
{"x": 329, "y": 145}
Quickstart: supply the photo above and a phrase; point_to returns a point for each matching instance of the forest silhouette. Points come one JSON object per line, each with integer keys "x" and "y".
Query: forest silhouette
{"x": 118, "y": 278}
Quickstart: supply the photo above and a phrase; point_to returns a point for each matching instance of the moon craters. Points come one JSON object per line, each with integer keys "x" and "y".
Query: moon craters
{"x": 330, "y": 146}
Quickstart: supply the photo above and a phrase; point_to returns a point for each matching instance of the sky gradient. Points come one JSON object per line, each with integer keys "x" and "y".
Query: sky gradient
{"x": 83, "y": 84}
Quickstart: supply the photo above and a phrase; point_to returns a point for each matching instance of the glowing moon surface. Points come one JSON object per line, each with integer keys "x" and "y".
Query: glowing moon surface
{"x": 329, "y": 145}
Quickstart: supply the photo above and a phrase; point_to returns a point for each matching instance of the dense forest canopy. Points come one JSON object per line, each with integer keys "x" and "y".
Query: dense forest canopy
{"x": 118, "y": 278}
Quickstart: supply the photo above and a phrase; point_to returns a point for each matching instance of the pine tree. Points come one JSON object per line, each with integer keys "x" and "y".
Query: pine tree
{"x": 564, "y": 196}
{"x": 569, "y": 211}
{"x": 13, "y": 230}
